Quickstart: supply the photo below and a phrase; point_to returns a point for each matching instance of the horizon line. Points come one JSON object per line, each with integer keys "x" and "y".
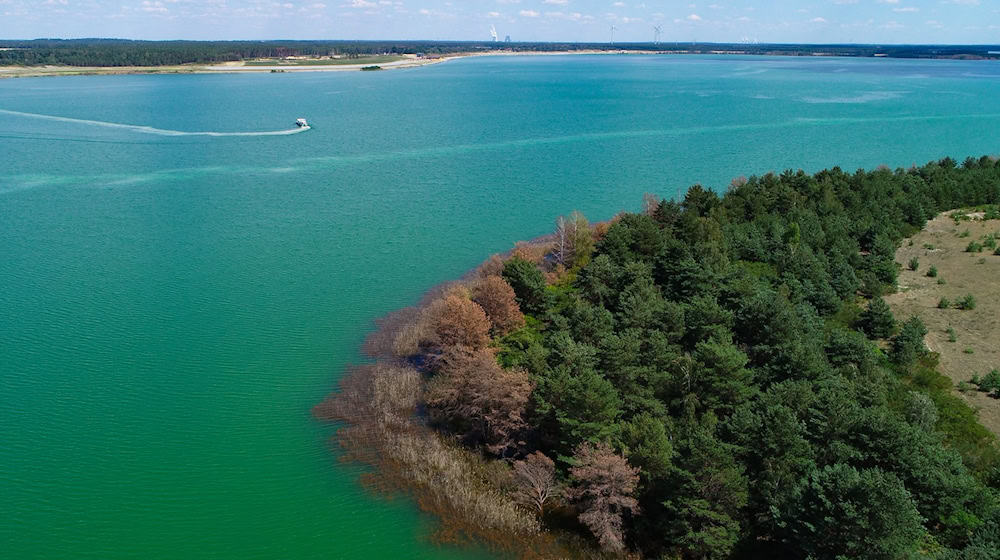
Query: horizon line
{"x": 499, "y": 43}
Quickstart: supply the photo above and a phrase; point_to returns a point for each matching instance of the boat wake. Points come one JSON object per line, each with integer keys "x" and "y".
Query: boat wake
{"x": 151, "y": 130}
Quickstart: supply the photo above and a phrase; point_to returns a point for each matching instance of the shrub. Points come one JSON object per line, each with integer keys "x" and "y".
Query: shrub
{"x": 952, "y": 335}
{"x": 969, "y": 351}
{"x": 965, "y": 234}
{"x": 990, "y": 243}
{"x": 967, "y": 303}
{"x": 929, "y": 246}
{"x": 990, "y": 382}
{"x": 944, "y": 303}
{"x": 942, "y": 282}
{"x": 974, "y": 247}
{"x": 932, "y": 272}
{"x": 914, "y": 263}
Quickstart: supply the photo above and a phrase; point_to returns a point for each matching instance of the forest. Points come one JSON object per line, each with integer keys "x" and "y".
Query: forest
{"x": 120, "y": 52}
{"x": 712, "y": 377}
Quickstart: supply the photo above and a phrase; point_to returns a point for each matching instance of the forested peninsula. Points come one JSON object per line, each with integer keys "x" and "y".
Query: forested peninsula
{"x": 714, "y": 377}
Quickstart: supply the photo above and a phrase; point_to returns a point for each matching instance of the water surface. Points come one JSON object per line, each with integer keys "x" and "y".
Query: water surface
{"x": 173, "y": 304}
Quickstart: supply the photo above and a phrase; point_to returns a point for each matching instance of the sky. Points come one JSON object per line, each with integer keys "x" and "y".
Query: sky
{"x": 774, "y": 21}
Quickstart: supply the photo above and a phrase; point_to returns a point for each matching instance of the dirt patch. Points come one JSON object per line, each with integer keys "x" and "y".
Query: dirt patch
{"x": 942, "y": 244}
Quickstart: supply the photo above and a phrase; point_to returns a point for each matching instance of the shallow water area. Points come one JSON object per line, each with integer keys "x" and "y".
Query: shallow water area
{"x": 175, "y": 302}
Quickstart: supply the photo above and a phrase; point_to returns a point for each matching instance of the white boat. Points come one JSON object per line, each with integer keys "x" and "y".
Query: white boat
{"x": 301, "y": 123}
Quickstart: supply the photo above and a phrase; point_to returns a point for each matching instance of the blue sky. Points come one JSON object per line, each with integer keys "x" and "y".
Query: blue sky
{"x": 860, "y": 21}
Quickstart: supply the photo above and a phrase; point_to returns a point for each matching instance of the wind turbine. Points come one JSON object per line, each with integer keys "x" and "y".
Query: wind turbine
{"x": 657, "y": 31}
{"x": 613, "y": 29}
{"x": 493, "y": 33}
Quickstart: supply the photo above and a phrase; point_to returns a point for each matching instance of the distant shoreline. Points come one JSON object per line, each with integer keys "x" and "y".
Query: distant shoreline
{"x": 219, "y": 68}
{"x": 410, "y": 61}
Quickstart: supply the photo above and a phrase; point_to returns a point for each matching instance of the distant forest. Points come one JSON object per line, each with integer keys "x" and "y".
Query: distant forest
{"x": 120, "y": 52}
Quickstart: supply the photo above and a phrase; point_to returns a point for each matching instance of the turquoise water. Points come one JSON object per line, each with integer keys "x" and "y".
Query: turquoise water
{"x": 173, "y": 304}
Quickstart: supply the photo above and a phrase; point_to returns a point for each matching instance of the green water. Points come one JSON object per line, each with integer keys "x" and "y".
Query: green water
{"x": 173, "y": 304}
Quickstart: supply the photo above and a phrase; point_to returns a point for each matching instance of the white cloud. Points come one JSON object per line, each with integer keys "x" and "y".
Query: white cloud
{"x": 153, "y": 7}
{"x": 694, "y": 17}
{"x": 529, "y": 13}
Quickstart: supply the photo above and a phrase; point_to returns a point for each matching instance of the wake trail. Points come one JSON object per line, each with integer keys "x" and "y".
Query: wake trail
{"x": 149, "y": 129}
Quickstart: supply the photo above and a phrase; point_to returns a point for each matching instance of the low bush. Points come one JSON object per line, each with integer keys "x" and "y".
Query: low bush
{"x": 967, "y": 303}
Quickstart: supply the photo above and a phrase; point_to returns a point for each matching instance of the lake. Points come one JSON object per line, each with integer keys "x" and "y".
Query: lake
{"x": 175, "y": 303}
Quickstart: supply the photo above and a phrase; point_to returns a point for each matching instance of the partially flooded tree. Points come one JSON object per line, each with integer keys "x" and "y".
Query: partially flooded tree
{"x": 535, "y": 482}
{"x": 604, "y": 486}
{"x": 478, "y": 399}
{"x": 497, "y": 299}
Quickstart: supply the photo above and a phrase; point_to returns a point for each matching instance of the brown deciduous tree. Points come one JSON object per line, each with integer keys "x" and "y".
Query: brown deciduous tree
{"x": 604, "y": 486}
{"x": 535, "y": 481}
{"x": 497, "y": 299}
{"x": 492, "y": 266}
{"x": 459, "y": 321}
{"x": 479, "y": 399}
{"x": 532, "y": 252}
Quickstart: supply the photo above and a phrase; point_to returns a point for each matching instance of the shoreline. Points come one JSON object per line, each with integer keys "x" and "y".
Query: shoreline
{"x": 410, "y": 62}
{"x": 220, "y": 68}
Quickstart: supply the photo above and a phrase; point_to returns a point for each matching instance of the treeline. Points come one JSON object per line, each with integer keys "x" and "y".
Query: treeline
{"x": 113, "y": 52}
{"x": 716, "y": 377}
{"x": 117, "y": 52}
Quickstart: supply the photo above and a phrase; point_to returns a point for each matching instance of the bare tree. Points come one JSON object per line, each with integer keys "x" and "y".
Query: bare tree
{"x": 650, "y": 202}
{"x": 583, "y": 237}
{"x": 535, "y": 480}
{"x": 604, "y": 486}
{"x": 564, "y": 241}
